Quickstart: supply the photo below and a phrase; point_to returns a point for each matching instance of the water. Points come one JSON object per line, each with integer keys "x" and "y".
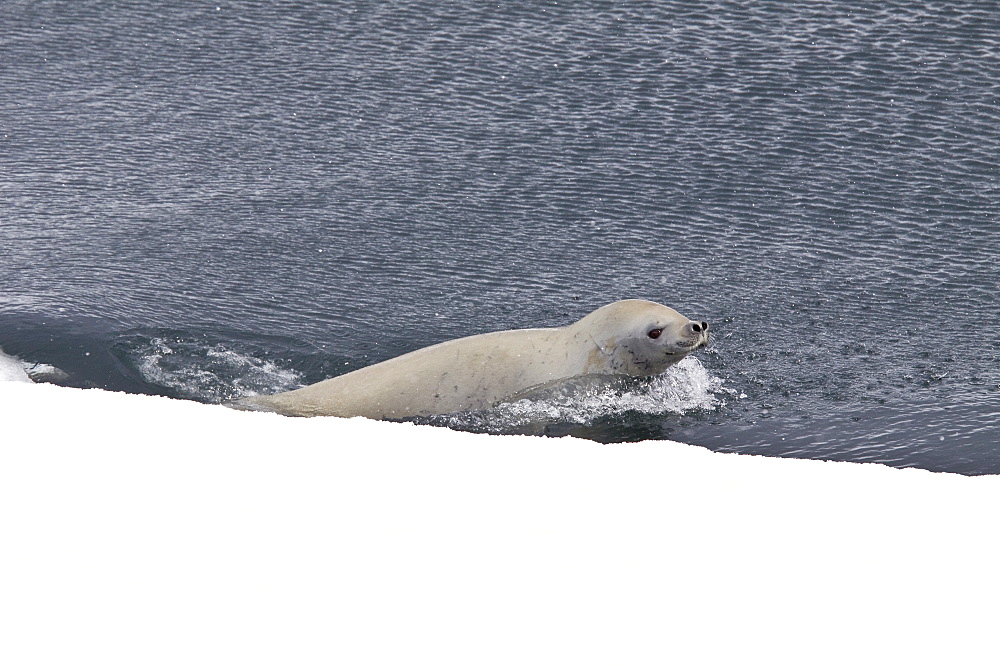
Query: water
{"x": 206, "y": 200}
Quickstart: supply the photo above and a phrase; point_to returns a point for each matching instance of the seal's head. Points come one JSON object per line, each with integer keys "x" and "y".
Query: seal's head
{"x": 640, "y": 338}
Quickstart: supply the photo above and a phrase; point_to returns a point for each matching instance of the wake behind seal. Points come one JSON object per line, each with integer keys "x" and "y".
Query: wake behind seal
{"x": 632, "y": 337}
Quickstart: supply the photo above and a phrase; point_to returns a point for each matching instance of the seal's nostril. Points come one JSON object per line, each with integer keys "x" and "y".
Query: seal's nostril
{"x": 704, "y": 325}
{"x": 695, "y": 326}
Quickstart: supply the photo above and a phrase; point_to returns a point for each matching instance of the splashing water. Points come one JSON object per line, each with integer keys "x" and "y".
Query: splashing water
{"x": 684, "y": 388}
{"x": 213, "y": 373}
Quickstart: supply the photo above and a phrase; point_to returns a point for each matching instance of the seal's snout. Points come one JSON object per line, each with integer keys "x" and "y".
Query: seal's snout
{"x": 698, "y": 332}
{"x": 698, "y": 327}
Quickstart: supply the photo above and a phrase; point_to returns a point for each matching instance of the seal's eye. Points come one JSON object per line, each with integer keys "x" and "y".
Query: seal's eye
{"x": 655, "y": 333}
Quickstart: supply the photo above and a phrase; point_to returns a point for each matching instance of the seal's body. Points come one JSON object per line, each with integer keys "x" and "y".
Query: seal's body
{"x": 631, "y": 338}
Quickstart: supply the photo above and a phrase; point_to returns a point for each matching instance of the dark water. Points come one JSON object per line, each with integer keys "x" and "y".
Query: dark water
{"x": 205, "y": 200}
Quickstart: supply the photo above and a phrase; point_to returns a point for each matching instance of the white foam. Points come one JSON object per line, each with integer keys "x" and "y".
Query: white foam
{"x": 214, "y": 373}
{"x": 685, "y": 387}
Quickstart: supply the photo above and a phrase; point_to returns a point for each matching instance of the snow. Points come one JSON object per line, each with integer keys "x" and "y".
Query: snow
{"x": 143, "y": 531}
{"x": 11, "y": 369}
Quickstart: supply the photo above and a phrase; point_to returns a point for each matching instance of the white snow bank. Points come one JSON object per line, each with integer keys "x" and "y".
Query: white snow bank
{"x": 141, "y": 531}
{"x": 11, "y": 369}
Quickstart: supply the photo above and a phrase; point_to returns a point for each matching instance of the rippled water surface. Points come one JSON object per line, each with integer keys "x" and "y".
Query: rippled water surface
{"x": 206, "y": 200}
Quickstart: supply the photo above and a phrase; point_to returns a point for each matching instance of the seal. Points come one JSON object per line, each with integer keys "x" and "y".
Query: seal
{"x": 627, "y": 338}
